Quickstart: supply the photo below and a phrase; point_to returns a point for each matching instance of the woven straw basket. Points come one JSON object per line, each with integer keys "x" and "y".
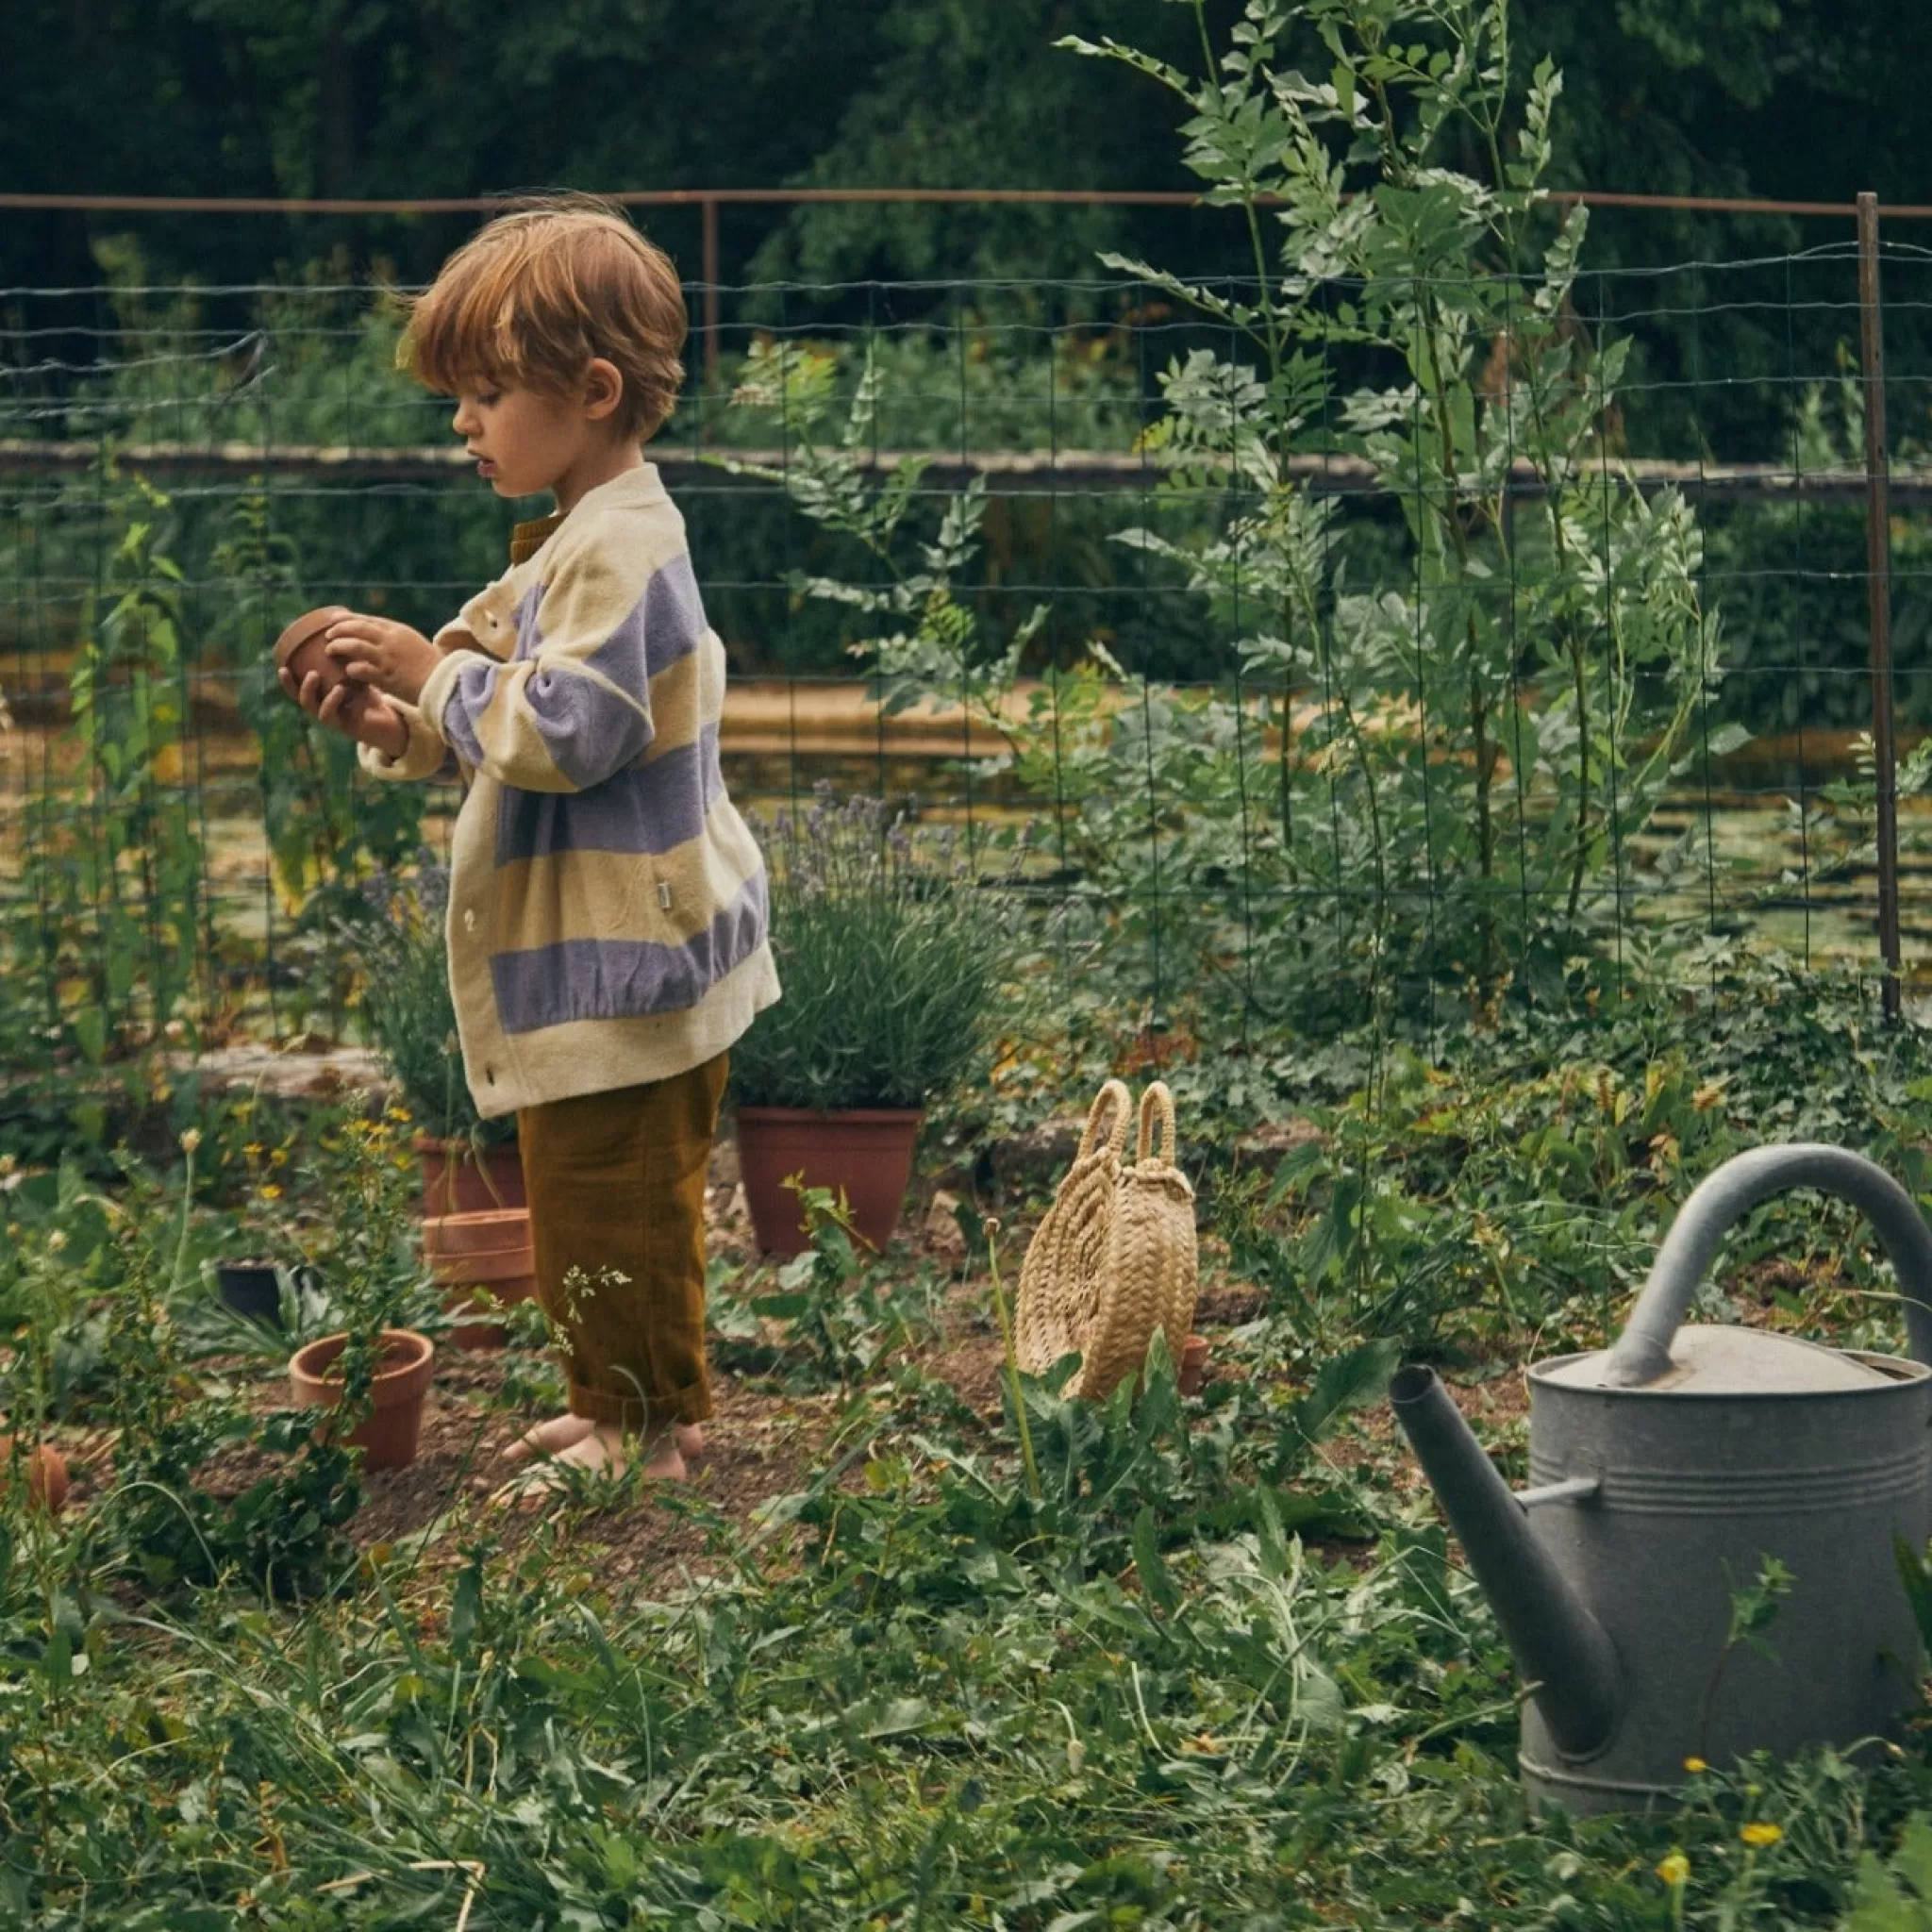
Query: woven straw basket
{"x": 1059, "y": 1279}
{"x": 1115, "y": 1256}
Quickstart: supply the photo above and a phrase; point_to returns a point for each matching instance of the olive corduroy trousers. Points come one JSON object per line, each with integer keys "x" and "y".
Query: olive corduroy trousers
{"x": 616, "y": 1183}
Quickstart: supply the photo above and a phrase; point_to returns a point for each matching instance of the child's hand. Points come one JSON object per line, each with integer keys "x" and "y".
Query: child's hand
{"x": 366, "y": 716}
{"x": 378, "y": 651}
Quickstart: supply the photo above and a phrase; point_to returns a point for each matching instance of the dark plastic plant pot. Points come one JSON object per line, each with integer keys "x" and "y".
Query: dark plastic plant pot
{"x": 390, "y": 1432}
{"x": 866, "y": 1152}
{"x": 251, "y": 1289}
{"x": 460, "y": 1178}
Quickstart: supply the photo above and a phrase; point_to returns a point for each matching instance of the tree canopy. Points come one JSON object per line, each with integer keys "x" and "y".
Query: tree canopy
{"x": 1809, "y": 99}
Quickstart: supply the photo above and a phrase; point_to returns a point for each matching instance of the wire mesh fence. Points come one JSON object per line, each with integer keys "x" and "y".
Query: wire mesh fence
{"x": 1040, "y": 615}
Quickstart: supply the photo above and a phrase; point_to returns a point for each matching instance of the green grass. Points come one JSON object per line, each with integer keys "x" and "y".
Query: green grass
{"x": 1219, "y": 1671}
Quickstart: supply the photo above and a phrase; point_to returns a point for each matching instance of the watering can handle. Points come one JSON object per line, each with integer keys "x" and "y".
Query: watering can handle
{"x": 1643, "y": 1350}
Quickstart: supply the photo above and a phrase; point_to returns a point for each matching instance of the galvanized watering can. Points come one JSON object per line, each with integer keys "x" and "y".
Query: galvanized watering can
{"x": 1663, "y": 1471}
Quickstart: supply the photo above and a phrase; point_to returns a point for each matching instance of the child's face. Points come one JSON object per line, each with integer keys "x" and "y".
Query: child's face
{"x": 523, "y": 442}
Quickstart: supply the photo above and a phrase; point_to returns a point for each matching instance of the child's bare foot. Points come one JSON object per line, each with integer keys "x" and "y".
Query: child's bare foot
{"x": 549, "y": 1438}
{"x": 603, "y": 1448}
{"x": 564, "y": 1432}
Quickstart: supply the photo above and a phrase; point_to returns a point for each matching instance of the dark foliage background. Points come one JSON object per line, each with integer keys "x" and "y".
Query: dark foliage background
{"x": 1812, "y": 99}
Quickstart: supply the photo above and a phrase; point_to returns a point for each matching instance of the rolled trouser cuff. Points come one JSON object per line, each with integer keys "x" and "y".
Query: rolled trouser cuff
{"x": 636, "y": 1415}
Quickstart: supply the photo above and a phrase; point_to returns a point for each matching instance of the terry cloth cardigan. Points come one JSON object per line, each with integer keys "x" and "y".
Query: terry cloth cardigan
{"x": 607, "y": 904}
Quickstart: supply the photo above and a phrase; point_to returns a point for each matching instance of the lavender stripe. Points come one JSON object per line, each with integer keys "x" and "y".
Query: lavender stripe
{"x": 646, "y": 808}
{"x": 666, "y": 624}
{"x": 474, "y": 687}
{"x": 590, "y": 731}
{"x": 524, "y": 618}
{"x": 627, "y": 979}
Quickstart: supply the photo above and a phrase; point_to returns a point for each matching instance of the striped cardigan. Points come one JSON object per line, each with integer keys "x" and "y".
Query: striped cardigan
{"x": 608, "y": 906}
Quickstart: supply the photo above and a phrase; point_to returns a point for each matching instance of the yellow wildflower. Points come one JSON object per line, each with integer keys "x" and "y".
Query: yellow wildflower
{"x": 191, "y": 1139}
{"x": 1693, "y": 1765}
{"x": 1674, "y": 1870}
{"x": 270, "y": 1191}
{"x": 1761, "y": 1833}
{"x": 253, "y": 1150}
{"x": 279, "y": 1156}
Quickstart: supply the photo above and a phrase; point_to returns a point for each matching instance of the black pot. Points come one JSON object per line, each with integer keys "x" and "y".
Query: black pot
{"x": 252, "y": 1289}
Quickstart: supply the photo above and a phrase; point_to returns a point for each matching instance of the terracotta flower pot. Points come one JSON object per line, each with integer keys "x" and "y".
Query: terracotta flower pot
{"x": 1191, "y": 1370}
{"x": 487, "y": 1231}
{"x": 865, "y": 1152}
{"x": 390, "y": 1431}
{"x": 301, "y": 648}
{"x": 459, "y": 1178}
{"x": 505, "y": 1264}
{"x": 490, "y": 1252}
{"x": 46, "y": 1472}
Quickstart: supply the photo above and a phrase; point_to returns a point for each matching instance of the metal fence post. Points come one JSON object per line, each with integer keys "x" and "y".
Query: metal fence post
{"x": 1878, "y": 592}
{"x": 710, "y": 270}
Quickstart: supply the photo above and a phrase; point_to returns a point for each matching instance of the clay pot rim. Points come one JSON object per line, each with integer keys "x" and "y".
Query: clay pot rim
{"x": 313, "y": 1360}
{"x": 298, "y": 633}
{"x": 473, "y": 1218}
{"x": 443, "y": 1143}
{"x": 861, "y": 1115}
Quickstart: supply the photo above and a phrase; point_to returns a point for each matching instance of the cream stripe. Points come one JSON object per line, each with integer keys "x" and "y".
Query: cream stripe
{"x": 686, "y": 696}
{"x": 618, "y": 895}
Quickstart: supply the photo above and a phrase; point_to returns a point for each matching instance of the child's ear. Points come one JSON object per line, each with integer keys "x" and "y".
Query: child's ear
{"x": 602, "y": 389}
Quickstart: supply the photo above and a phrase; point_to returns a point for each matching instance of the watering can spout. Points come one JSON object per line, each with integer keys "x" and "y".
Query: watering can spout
{"x": 1558, "y": 1643}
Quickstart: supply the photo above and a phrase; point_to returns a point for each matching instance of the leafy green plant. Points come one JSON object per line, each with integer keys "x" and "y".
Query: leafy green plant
{"x": 1433, "y": 763}
{"x": 113, "y": 947}
{"x": 363, "y": 1249}
{"x": 1476, "y": 745}
{"x": 327, "y": 828}
{"x": 890, "y": 960}
{"x": 835, "y": 1313}
{"x": 1895, "y": 1894}
{"x": 1754, "y": 1607}
{"x": 398, "y": 938}
{"x": 98, "y": 1295}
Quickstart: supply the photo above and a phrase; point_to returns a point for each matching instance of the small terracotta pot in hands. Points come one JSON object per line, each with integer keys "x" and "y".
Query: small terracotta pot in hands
{"x": 304, "y": 648}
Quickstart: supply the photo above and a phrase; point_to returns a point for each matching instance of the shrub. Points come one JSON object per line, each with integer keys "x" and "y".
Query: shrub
{"x": 889, "y": 962}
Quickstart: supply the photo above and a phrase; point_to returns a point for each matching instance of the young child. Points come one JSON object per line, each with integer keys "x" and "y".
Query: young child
{"x": 608, "y": 906}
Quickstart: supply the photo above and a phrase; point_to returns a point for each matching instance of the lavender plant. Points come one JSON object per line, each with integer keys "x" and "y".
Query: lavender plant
{"x": 890, "y": 960}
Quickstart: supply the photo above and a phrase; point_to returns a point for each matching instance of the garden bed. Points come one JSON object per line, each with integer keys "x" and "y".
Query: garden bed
{"x": 1210, "y": 1663}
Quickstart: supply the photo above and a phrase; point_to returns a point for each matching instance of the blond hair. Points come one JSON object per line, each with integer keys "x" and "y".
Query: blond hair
{"x": 537, "y": 294}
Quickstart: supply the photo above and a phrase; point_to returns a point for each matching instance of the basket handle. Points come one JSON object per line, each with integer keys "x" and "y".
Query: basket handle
{"x": 1112, "y": 1100}
{"x": 1156, "y": 1123}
